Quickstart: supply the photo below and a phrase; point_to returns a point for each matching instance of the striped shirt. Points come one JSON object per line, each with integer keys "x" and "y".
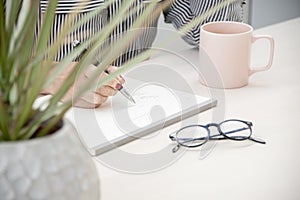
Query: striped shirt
{"x": 178, "y": 13}
{"x": 182, "y": 12}
{"x": 66, "y": 6}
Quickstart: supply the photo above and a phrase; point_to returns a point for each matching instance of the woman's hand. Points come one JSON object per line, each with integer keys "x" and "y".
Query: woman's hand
{"x": 92, "y": 98}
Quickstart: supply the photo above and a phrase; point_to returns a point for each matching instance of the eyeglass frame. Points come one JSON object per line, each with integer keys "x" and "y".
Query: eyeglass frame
{"x": 173, "y": 136}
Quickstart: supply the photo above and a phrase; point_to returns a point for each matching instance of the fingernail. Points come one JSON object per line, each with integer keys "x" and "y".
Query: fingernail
{"x": 118, "y": 86}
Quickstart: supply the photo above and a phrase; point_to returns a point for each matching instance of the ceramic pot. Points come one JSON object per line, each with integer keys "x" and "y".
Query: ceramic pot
{"x": 51, "y": 167}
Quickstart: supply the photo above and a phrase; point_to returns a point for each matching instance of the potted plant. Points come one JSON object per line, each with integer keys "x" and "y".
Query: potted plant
{"x": 40, "y": 157}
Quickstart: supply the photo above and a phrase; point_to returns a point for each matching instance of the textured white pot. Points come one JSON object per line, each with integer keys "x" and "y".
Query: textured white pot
{"x": 51, "y": 167}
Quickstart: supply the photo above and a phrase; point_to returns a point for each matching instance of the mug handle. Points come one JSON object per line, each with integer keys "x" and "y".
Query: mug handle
{"x": 271, "y": 55}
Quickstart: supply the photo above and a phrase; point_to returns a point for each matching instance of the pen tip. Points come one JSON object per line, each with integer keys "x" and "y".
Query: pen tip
{"x": 133, "y": 101}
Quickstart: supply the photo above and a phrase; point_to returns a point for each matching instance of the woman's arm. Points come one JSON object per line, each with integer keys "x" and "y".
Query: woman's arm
{"x": 181, "y": 12}
{"x": 91, "y": 98}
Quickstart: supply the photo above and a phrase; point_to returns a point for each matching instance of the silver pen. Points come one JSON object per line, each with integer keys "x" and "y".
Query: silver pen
{"x": 121, "y": 89}
{"x": 124, "y": 92}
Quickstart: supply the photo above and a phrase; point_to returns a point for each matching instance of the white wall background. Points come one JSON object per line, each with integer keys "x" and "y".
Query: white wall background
{"x": 266, "y": 12}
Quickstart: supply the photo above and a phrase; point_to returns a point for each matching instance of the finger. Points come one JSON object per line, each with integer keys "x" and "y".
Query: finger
{"x": 94, "y": 98}
{"x": 120, "y": 79}
{"x": 111, "y": 69}
{"x": 90, "y": 100}
{"x": 114, "y": 83}
{"x": 106, "y": 91}
{"x": 81, "y": 103}
{"x": 90, "y": 71}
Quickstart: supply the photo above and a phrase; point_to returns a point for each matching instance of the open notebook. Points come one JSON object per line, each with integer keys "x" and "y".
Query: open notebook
{"x": 119, "y": 121}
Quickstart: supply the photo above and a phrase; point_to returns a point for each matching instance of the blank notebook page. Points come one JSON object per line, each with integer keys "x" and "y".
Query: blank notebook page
{"x": 119, "y": 118}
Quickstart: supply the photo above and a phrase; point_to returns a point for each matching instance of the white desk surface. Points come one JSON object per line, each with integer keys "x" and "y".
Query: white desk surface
{"x": 231, "y": 170}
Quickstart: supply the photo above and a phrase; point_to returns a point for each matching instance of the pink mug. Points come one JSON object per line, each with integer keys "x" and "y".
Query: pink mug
{"x": 225, "y": 54}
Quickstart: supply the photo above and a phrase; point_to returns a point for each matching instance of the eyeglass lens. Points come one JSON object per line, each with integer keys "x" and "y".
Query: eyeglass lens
{"x": 192, "y": 136}
{"x": 236, "y": 130}
{"x": 196, "y": 135}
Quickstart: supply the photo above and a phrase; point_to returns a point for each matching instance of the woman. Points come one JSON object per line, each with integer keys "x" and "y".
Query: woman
{"x": 179, "y": 13}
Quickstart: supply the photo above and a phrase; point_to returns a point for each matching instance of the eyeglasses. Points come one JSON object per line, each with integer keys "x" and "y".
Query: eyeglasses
{"x": 197, "y": 135}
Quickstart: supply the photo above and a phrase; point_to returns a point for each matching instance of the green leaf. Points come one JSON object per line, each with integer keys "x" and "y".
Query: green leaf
{"x": 26, "y": 63}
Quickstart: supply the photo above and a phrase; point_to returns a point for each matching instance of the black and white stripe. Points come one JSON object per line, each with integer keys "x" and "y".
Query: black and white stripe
{"x": 143, "y": 41}
{"x": 181, "y": 12}
{"x": 82, "y": 33}
{"x": 144, "y": 36}
{"x": 71, "y": 6}
{"x": 178, "y": 13}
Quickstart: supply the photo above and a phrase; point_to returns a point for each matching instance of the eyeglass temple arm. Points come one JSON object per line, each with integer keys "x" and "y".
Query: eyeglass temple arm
{"x": 172, "y": 135}
{"x": 250, "y": 138}
{"x": 258, "y": 140}
{"x": 213, "y": 137}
